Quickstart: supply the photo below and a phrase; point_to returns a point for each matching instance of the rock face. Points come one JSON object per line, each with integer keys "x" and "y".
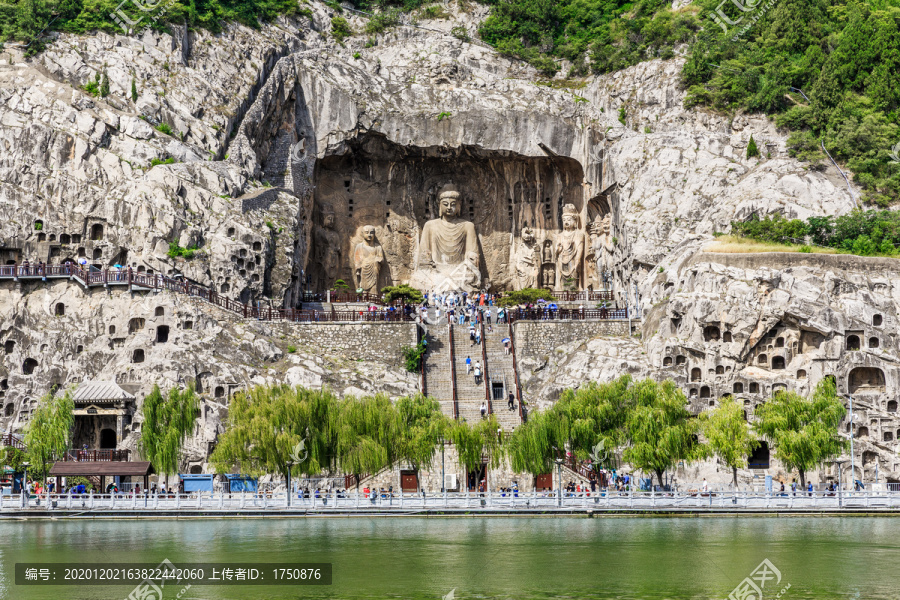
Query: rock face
{"x": 279, "y": 147}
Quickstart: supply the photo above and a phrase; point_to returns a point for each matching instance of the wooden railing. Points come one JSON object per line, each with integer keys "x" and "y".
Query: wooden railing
{"x": 453, "y": 371}
{"x": 127, "y": 276}
{"x": 98, "y": 455}
{"x": 484, "y": 370}
{"x": 568, "y": 314}
{"x": 8, "y": 440}
{"x": 512, "y": 350}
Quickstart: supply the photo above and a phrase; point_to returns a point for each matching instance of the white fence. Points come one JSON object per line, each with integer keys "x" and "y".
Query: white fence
{"x": 350, "y": 502}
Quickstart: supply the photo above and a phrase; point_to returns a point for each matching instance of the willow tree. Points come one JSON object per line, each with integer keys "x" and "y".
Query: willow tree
{"x": 367, "y": 435}
{"x": 422, "y": 428}
{"x": 728, "y": 434}
{"x": 167, "y": 422}
{"x": 804, "y": 431}
{"x": 49, "y": 432}
{"x": 279, "y": 429}
{"x": 532, "y": 446}
{"x": 659, "y": 428}
{"x": 475, "y": 442}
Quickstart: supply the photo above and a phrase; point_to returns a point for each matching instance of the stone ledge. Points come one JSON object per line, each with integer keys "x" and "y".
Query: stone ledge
{"x": 783, "y": 260}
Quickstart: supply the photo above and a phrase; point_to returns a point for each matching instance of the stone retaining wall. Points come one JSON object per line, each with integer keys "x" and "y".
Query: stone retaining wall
{"x": 538, "y": 339}
{"x": 355, "y": 341}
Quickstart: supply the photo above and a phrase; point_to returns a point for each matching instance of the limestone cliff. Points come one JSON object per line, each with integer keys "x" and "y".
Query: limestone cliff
{"x": 282, "y": 144}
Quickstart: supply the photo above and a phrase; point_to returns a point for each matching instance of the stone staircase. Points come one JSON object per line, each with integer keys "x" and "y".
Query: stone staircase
{"x": 500, "y": 369}
{"x": 438, "y": 384}
{"x": 469, "y": 394}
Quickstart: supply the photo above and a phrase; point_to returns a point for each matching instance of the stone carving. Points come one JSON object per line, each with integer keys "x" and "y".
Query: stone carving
{"x": 328, "y": 251}
{"x": 570, "y": 251}
{"x": 448, "y": 252}
{"x": 367, "y": 258}
{"x": 528, "y": 261}
{"x": 602, "y": 247}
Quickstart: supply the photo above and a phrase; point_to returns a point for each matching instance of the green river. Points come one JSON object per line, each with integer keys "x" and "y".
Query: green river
{"x": 509, "y": 558}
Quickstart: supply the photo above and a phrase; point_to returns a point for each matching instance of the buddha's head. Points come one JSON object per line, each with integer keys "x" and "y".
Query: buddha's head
{"x": 570, "y": 217}
{"x": 450, "y": 201}
{"x": 328, "y": 220}
{"x": 368, "y": 234}
{"x": 527, "y": 236}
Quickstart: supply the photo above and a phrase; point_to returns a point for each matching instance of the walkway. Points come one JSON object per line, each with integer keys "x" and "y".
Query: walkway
{"x": 218, "y": 504}
{"x": 142, "y": 282}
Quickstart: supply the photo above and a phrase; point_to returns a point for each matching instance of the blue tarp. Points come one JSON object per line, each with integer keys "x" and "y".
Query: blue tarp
{"x": 197, "y": 483}
{"x": 241, "y": 483}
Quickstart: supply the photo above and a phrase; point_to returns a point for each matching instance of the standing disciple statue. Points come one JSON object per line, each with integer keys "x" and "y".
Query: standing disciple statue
{"x": 367, "y": 259}
{"x": 327, "y": 251}
{"x": 602, "y": 244}
{"x": 528, "y": 261}
{"x": 448, "y": 252}
{"x": 570, "y": 251}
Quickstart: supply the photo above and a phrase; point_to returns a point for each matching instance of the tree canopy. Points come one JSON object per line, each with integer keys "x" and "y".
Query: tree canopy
{"x": 167, "y": 422}
{"x": 403, "y": 293}
{"x": 804, "y": 431}
{"x": 525, "y": 296}
{"x": 49, "y": 432}
{"x": 728, "y": 434}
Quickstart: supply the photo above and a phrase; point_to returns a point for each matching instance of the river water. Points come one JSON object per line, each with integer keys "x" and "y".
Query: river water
{"x": 508, "y": 558}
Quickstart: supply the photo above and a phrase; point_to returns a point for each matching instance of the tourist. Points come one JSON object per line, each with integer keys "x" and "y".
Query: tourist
{"x": 483, "y": 408}
{"x": 506, "y": 346}
{"x": 468, "y": 365}
{"x": 472, "y": 335}
{"x": 705, "y": 486}
{"x": 478, "y": 337}
{"x": 478, "y": 372}
{"x": 809, "y": 488}
{"x": 511, "y": 402}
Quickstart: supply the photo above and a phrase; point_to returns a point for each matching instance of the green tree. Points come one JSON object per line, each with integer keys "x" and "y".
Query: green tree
{"x": 803, "y": 431}
{"x": 134, "y": 93}
{"x": 104, "y": 85}
{"x": 659, "y": 427}
{"x": 279, "y": 429}
{"x": 404, "y": 293}
{"x": 728, "y": 434}
{"x": 412, "y": 356}
{"x": 48, "y": 433}
{"x": 525, "y": 296}
{"x": 167, "y": 422}
{"x": 423, "y": 427}
{"x": 752, "y": 150}
{"x": 474, "y": 442}
{"x": 340, "y": 29}
{"x": 367, "y": 434}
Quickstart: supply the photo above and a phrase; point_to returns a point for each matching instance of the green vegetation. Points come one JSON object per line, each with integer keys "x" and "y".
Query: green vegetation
{"x": 134, "y": 93}
{"x": 93, "y": 87}
{"x": 444, "y": 115}
{"x": 13, "y": 458}
{"x": 167, "y": 422}
{"x": 525, "y": 296}
{"x": 166, "y": 129}
{"x": 461, "y": 33}
{"x": 48, "y": 433}
{"x": 294, "y": 431}
{"x": 803, "y": 431}
{"x": 38, "y": 226}
{"x": 728, "y": 434}
{"x": 176, "y": 251}
{"x": 383, "y": 20}
{"x": 752, "y": 150}
{"x": 104, "y": 85}
{"x": 865, "y": 233}
{"x": 25, "y": 19}
{"x": 404, "y": 293}
{"x": 659, "y": 428}
{"x": 160, "y": 161}
{"x": 291, "y": 349}
{"x": 840, "y": 53}
{"x": 340, "y": 29}
{"x": 412, "y": 356}
{"x": 340, "y": 286}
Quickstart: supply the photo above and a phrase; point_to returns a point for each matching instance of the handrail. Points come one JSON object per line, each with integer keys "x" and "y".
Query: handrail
{"x": 128, "y": 276}
{"x": 422, "y": 362}
{"x": 484, "y": 370}
{"x": 512, "y": 350}
{"x": 567, "y": 314}
{"x": 453, "y": 371}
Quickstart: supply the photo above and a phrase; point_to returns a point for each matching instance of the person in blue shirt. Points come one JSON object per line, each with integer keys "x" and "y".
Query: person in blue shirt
{"x": 809, "y": 488}
{"x": 468, "y": 365}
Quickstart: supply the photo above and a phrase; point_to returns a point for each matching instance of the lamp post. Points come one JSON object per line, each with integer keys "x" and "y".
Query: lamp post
{"x": 852, "y": 434}
{"x": 840, "y": 464}
{"x": 25, "y": 465}
{"x": 559, "y": 464}
{"x": 290, "y": 465}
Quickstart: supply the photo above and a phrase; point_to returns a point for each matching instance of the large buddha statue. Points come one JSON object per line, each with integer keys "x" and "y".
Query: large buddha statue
{"x": 570, "y": 251}
{"x": 448, "y": 251}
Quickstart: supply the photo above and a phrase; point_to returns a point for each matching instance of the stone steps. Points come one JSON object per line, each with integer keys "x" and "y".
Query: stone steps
{"x": 469, "y": 394}
{"x": 500, "y": 369}
{"x": 437, "y": 368}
